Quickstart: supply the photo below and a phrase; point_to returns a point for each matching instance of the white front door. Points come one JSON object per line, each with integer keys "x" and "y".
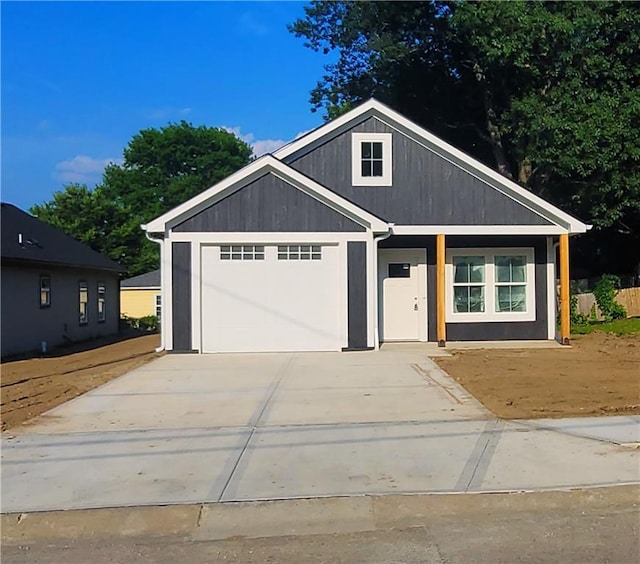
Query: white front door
{"x": 402, "y": 283}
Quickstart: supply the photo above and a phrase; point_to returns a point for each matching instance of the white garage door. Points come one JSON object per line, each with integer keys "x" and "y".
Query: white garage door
{"x": 259, "y": 298}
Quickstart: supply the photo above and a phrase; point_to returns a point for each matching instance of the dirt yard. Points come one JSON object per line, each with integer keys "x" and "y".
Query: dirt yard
{"x": 598, "y": 375}
{"x": 31, "y": 387}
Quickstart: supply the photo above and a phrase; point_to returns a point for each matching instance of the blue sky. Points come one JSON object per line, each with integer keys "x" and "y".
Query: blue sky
{"x": 80, "y": 79}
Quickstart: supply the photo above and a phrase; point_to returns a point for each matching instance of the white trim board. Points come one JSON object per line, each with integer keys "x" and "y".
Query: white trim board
{"x": 373, "y": 108}
{"x": 477, "y": 230}
{"x": 253, "y": 171}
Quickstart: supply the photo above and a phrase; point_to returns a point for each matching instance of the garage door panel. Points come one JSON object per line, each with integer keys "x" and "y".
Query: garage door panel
{"x": 270, "y": 304}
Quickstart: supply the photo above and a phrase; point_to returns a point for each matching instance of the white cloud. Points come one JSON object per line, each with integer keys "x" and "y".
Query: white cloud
{"x": 82, "y": 169}
{"x": 260, "y": 146}
{"x": 184, "y": 111}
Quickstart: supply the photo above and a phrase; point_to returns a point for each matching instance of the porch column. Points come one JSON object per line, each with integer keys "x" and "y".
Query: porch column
{"x": 565, "y": 299}
{"x": 440, "y": 290}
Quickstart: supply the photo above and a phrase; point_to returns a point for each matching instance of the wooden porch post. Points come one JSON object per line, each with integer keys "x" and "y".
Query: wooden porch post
{"x": 440, "y": 290}
{"x": 565, "y": 299}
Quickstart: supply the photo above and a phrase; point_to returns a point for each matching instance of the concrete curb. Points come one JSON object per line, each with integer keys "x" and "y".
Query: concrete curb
{"x": 254, "y": 519}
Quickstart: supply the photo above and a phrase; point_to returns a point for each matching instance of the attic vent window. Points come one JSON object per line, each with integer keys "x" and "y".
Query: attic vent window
{"x": 371, "y": 159}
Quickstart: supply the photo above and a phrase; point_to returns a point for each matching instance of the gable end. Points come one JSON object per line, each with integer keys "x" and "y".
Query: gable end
{"x": 268, "y": 204}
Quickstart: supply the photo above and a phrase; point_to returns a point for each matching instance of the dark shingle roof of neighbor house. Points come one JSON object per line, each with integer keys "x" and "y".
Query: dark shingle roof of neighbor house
{"x": 27, "y": 239}
{"x": 146, "y": 280}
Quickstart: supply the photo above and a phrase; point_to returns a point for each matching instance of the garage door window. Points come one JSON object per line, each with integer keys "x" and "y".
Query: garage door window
{"x": 242, "y": 252}
{"x": 299, "y": 252}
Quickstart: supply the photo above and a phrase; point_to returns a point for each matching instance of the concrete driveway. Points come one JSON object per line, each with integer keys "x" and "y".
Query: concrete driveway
{"x": 189, "y": 429}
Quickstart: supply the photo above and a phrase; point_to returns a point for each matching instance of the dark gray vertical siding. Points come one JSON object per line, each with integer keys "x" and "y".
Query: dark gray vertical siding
{"x": 427, "y": 189}
{"x": 268, "y": 204}
{"x": 494, "y": 331}
{"x": 181, "y": 295}
{"x": 357, "y": 294}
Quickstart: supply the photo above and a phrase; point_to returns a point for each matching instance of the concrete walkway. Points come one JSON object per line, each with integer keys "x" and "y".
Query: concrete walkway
{"x": 198, "y": 429}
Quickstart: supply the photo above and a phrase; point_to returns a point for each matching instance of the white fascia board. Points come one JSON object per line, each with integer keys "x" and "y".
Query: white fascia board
{"x": 122, "y": 288}
{"x": 251, "y": 172}
{"x": 478, "y": 230}
{"x": 404, "y": 125}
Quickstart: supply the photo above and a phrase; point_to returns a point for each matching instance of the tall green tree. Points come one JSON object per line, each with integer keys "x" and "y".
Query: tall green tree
{"x": 162, "y": 168}
{"x": 548, "y": 93}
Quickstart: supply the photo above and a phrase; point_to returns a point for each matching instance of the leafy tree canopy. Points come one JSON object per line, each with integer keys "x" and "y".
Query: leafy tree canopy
{"x": 162, "y": 168}
{"x": 548, "y": 93}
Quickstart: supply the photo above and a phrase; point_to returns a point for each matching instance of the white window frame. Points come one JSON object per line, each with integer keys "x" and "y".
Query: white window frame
{"x": 83, "y": 302}
{"x": 101, "y": 299}
{"x": 157, "y": 303}
{"x": 356, "y": 159}
{"x": 490, "y": 314}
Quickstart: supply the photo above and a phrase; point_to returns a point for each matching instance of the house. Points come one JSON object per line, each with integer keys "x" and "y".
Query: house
{"x": 366, "y": 230}
{"x": 140, "y": 296}
{"x": 54, "y": 288}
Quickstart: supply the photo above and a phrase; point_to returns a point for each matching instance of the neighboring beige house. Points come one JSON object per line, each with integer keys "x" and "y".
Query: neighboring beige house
{"x": 140, "y": 296}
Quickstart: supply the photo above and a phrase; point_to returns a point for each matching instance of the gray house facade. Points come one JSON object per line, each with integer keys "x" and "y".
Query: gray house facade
{"x": 368, "y": 229}
{"x": 54, "y": 289}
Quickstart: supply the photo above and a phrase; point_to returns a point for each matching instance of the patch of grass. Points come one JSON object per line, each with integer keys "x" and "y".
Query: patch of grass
{"x": 629, "y": 326}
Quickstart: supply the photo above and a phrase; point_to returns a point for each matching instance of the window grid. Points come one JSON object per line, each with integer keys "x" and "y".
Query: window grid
{"x": 299, "y": 252}
{"x": 469, "y": 284}
{"x": 102, "y": 302}
{"x": 242, "y": 252}
{"x": 511, "y": 283}
{"x": 371, "y": 161}
{"x": 45, "y": 291}
{"x": 84, "y": 300}
{"x": 159, "y": 306}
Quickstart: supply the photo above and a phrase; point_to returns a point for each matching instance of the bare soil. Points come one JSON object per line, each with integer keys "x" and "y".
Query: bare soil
{"x": 32, "y": 386}
{"x": 598, "y": 375}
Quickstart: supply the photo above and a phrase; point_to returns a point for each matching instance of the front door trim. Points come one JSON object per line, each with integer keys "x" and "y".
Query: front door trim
{"x": 387, "y": 256}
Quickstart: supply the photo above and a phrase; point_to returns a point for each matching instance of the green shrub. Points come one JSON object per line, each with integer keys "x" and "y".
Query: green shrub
{"x": 605, "y": 292}
{"x": 149, "y": 323}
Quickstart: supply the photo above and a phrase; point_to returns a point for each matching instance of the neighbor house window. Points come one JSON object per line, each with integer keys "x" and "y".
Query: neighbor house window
{"x": 159, "y": 306}
{"x": 487, "y": 285}
{"x": 102, "y": 302}
{"x": 299, "y": 252}
{"x": 371, "y": 159}
{"x": 45, "y": 291}
{"x": 84, "y": 301}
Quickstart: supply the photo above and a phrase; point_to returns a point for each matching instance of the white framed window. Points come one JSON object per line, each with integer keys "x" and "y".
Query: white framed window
{"x": 102, "y": 302}
{"x": 299, "y": 252}
{"x": 83, "y": 295}
{"x": 371, "y": 159}
{"x": 493, "y": 284}
{"x": 45, "y": 291}
{"x": 242, "y": 252}
{"x": 158, "y": 304}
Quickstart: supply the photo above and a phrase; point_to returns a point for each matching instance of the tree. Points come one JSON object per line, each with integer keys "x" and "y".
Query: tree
{"x": 88, "y": 216}
{"x": 162, "y": 168}
{"x": 548, "y": 93}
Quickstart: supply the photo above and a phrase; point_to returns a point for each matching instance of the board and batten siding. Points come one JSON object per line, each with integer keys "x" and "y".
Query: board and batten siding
{"x": 268, "y": 204}
{"x": 489, "y": 331}
{"x": 181, "y": 296}
{"x": 357, "y": 294}
{"x": 427, "y": 189}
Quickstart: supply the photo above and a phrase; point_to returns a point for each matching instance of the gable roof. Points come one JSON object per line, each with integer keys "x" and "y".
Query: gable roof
{"x": 374, "y": 108}
{"x": 26, "y": 238}
{"x": 146, "y": 280}
{"x": 256, "y": 169}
